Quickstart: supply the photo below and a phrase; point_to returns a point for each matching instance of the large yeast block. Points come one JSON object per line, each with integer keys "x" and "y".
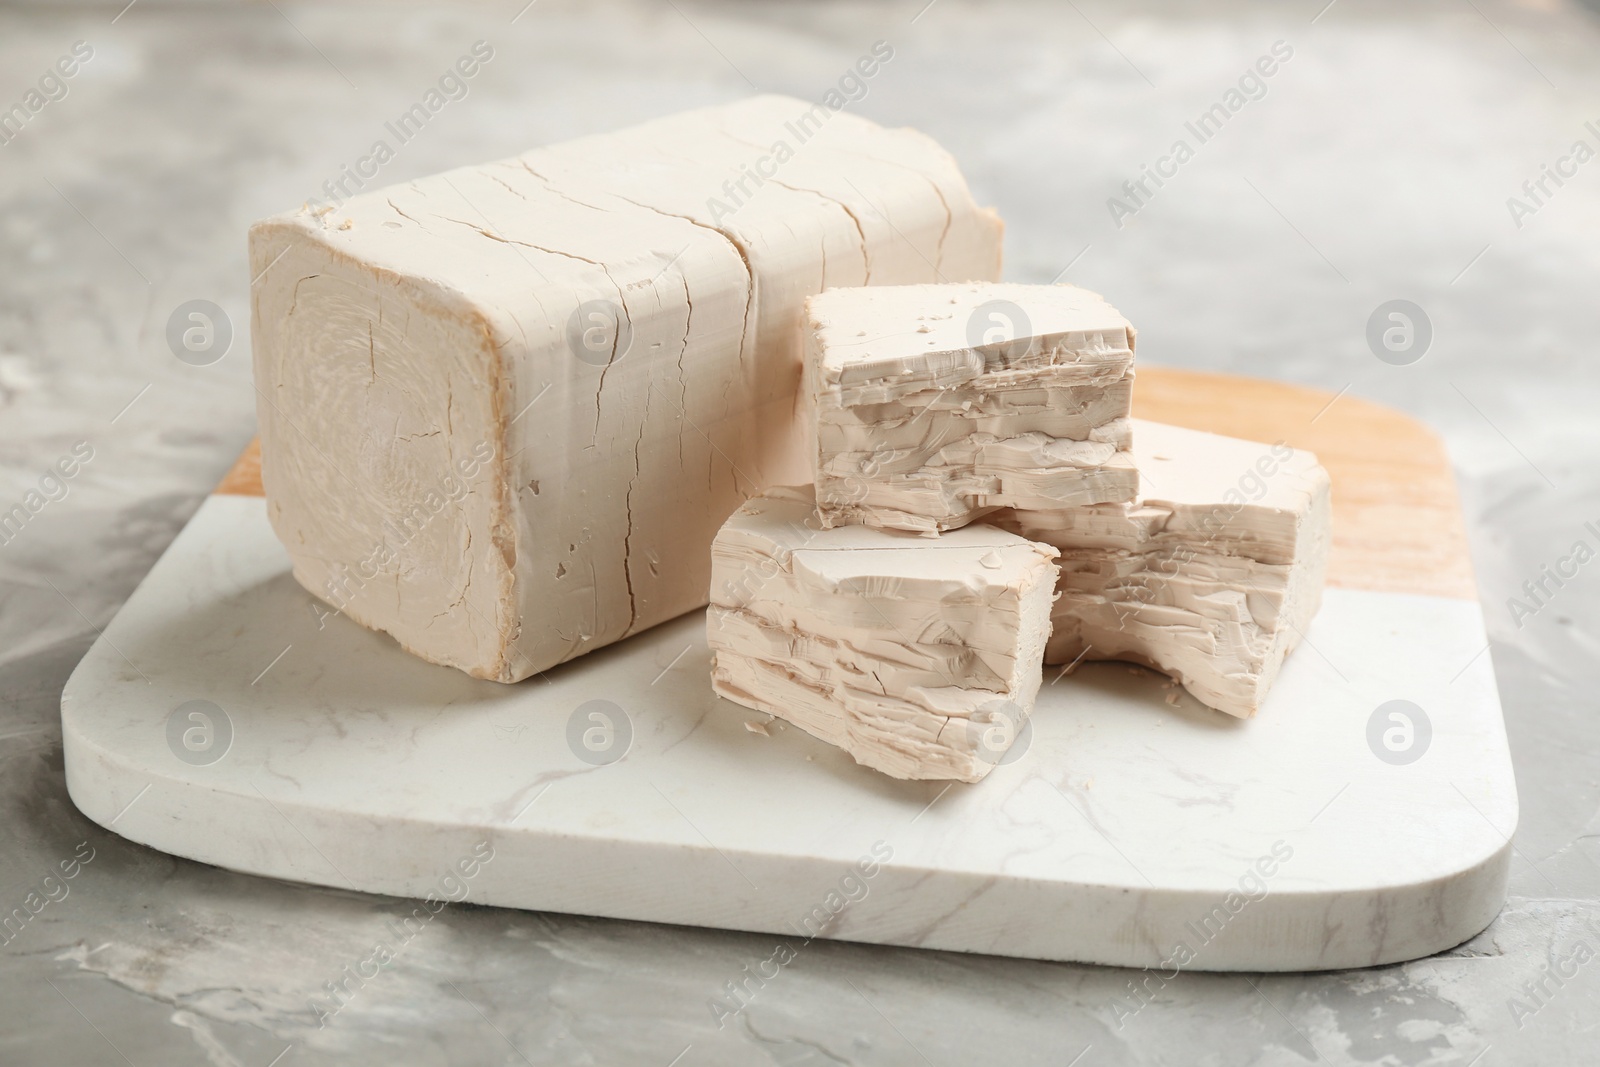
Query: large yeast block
{"x": 505, "y": 409}
{"x": 921, "y": 658}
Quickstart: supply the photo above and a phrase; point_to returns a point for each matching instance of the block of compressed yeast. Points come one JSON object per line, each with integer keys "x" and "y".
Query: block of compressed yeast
{"x": 936, "y": 404}
{"x": 919, "y": 657}
{"x": 505, "y": 409}
{"x": 1211, "y": 576}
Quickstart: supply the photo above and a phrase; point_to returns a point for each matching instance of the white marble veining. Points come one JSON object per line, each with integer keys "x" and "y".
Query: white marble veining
{"x": 1112, "y": 839}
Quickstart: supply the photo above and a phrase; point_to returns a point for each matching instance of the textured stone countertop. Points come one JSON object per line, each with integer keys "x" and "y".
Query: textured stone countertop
{"x": 1376, "y": 164}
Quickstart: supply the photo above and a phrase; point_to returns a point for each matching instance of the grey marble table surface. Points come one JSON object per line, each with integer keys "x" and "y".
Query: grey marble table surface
{"x": 1398, "y": 153}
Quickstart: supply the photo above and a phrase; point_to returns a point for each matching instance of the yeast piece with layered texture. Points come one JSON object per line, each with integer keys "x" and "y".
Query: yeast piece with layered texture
{"x": 921, "y": 658}
{"x": 1211, "y": 576}
{"x": 505, "y": 409}
{"x": 937, "y": 404}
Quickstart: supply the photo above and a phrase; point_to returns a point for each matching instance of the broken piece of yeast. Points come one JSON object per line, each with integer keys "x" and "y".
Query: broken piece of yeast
{"x": 505, "y": 409}
{"x": 921, "y": 658}
{"x": 937, "y": 404}
{"x": 1211, "y": 576}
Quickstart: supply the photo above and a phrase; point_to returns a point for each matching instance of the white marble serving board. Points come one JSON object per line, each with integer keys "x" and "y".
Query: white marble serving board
{"x": 1117, "y": 837}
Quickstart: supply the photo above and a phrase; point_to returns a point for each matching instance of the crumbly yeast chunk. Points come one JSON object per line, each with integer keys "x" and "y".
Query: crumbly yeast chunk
{"x": 937, "y": 404}
{"x": 1211, "y": 576}
{"x": 921, "y": 658}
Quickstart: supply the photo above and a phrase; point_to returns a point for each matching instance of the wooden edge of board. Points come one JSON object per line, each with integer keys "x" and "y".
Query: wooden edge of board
{"x": 1397, "y": 525}
{"x": 244, "y": 477}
